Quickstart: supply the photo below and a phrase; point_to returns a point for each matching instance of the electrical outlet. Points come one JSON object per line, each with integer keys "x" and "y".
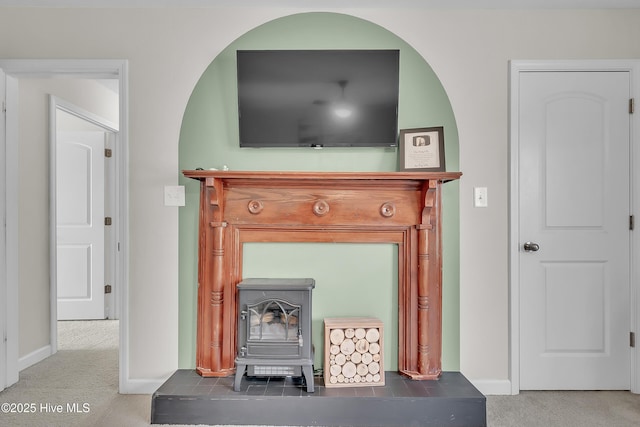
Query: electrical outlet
{"x": 480, "y": 197}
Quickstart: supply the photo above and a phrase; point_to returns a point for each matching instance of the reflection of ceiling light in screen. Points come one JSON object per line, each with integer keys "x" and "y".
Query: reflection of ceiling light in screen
{"x": 342, "y": 109}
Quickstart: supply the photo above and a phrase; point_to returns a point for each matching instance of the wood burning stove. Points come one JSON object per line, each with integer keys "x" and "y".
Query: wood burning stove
{"x": 274, "y": 329}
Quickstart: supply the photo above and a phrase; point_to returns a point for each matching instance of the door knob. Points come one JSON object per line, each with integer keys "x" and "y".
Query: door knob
{"x": 531, "y": 247}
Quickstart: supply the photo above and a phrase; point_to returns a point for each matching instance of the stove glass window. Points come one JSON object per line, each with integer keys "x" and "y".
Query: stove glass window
{"x": 273, "y": 320}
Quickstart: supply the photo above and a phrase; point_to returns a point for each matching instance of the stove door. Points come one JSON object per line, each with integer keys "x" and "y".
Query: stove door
{"x": 273, "y": 329}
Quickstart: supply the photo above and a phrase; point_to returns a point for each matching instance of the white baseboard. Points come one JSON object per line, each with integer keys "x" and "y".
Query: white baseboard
{"x": 493, "y": 387}
{"x": 34, "y": 357}
{"x": 135, "y": 386}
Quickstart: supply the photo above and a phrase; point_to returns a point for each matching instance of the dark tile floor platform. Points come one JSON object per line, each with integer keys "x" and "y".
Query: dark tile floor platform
{"x": 187, "y": 398}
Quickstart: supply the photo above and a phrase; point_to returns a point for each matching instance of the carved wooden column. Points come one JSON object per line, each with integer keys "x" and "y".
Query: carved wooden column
{"x": 211, "y": 279}
{"x": 429, "y": 285}
{"x": 423, "y": 318}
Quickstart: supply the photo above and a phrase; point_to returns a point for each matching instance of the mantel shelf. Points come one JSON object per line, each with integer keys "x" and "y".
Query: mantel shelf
{"x": 331, "y": 176}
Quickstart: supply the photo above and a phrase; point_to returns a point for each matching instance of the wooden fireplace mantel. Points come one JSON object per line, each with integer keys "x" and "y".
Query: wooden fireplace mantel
{"x": 402, "y": 208}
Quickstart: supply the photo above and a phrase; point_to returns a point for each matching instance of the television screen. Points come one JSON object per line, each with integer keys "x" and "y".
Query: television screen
{"x": 318, "y": 98}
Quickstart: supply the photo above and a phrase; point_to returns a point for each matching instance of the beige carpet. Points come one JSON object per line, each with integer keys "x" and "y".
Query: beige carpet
{"x": 84, "y": 373}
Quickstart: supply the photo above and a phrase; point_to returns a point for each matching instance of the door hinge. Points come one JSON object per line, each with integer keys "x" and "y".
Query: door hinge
{"x": 632, "y": 339}
{"x": 632, "y": 222}
{"x": 107, "y": 220}
{"x": 107, "y": 289}
{"x": 631, "y": 106}
{"x": 4, "y": 107}
{"x": 108, "y": 152}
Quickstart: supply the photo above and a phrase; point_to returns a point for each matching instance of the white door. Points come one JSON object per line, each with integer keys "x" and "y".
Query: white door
{"x": 80, "y": 224}
{"x": 574, "y": 207}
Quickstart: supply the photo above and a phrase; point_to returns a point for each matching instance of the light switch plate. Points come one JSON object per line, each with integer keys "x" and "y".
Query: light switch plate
{"x": 174, "y": 195}
{"x": 480, "y": 197}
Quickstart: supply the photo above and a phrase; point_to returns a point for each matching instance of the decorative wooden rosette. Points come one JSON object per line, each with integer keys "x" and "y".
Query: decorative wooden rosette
{"x": 353, "y": 352}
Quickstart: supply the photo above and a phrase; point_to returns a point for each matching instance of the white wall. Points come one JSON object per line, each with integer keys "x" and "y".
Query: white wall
{"x": 168, "y": 51}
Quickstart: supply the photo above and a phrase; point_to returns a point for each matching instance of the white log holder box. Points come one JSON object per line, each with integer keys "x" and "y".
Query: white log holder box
{"x": 353, "y": 352}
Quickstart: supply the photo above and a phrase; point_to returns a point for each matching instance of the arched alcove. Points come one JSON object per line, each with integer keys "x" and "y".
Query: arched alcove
{"x": 209, "y": 139}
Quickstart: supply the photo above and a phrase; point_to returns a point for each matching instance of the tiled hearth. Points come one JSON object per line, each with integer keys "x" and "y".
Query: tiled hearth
{"x": 188, "y": 398}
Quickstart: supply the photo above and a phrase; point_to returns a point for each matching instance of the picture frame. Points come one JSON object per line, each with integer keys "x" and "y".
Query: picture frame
{"x": 422, "y": 149}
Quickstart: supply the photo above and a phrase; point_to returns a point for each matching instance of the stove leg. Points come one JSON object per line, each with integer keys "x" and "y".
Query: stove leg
{"x": 239, "y": 373}
{"x": 307, "y": 371}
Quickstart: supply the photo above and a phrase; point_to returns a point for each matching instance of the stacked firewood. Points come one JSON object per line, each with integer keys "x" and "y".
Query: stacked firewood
{"x": 353, "y": 352}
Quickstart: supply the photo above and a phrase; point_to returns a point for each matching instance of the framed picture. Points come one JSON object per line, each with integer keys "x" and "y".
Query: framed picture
{"x": 422, "y": 149}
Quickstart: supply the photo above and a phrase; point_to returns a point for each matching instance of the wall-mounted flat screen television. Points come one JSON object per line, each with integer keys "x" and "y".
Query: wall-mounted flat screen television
{"x": 318, "y": 98}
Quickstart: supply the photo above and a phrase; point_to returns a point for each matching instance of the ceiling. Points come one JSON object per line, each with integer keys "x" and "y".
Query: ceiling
{"x": 327, "y": 4}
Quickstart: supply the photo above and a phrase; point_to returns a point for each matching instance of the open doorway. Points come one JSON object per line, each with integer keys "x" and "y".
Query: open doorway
{"x": 27, "y": 347}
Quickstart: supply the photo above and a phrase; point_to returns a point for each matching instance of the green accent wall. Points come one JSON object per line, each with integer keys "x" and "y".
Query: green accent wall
{"x": 351, "y": 279}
